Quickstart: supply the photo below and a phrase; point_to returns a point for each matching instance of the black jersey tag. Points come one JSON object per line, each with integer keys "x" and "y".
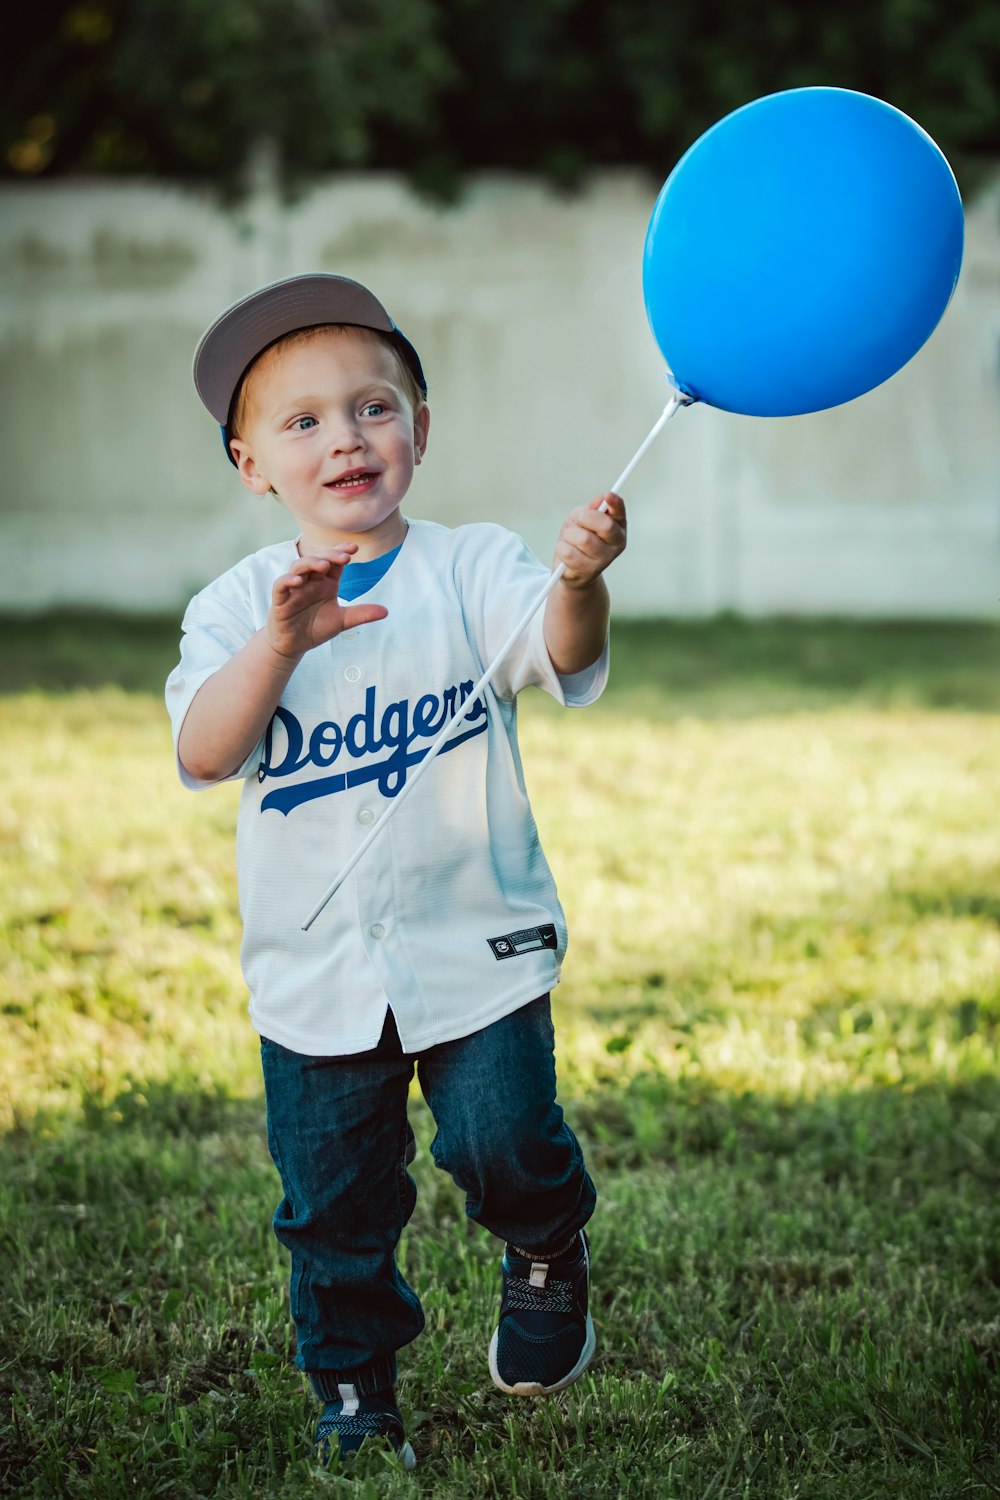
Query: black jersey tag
{"x": 528, "y": 940}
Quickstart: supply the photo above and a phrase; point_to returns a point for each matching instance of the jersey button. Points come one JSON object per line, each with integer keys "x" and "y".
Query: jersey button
{"x": 353, "y": 674}
{"x": 366, "y": 815}
{"x": 377, "y": 930}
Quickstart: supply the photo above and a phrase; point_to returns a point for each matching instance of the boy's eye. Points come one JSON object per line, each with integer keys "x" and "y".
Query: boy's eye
{"x": 373, "y": 409}
{"x": 299, "y": 421}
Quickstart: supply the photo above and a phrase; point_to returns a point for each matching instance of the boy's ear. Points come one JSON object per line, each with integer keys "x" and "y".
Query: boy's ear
{"x": 247, "y": 468}
{"x": 421, "y": 427}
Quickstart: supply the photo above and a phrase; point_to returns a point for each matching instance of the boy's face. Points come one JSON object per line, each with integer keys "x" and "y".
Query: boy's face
{"x": 333, "y": 432}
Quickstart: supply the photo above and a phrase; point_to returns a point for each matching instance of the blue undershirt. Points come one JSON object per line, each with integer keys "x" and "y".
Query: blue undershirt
{"x": 358, "y": 577}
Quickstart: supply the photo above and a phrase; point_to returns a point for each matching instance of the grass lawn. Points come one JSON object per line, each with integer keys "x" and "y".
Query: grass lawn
{"x": 778, "y": 1029}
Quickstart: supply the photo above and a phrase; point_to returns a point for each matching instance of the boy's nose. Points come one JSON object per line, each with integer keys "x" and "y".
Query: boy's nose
{"x": 346, "y": 437}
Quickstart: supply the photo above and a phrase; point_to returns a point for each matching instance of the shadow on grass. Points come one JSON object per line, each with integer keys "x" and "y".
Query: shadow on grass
{"x": 731, "y": 667}
{"x": 663, "y": 669}
{"x": 71, "y": 650}
{"x": 942, "y": 896}
{"x": 910, "y": 1138}
{"x": 830, "y": 1265}
{"x": 143, "y": 1110}
{"x": 858, "y": 1132}
{"x": 152, "y": 1142}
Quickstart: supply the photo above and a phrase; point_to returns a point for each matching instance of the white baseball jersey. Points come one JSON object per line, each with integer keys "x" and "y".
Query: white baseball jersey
{"x": 451, "y": 917}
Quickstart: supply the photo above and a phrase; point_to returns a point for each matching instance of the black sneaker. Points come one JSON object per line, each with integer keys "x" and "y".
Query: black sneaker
{"x": 346, "y": 1423}
{"x": 545, "y": 1337}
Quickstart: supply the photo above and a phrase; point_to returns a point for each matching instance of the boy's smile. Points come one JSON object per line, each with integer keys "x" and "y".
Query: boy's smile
{"x": 333, "y": 431}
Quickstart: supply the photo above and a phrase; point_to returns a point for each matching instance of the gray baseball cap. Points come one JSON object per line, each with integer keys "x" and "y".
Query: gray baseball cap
{"x": 238, "y": 336}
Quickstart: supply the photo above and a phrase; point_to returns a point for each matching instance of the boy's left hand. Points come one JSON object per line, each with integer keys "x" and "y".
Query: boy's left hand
{"x": 590, "y": 539}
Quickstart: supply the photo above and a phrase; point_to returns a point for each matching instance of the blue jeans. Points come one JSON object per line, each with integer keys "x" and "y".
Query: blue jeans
{"x": 340, "y": 1138}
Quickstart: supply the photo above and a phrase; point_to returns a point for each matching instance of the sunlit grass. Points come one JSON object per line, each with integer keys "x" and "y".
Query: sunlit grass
{"x": 783, "y": 903}
{"x": 777, "y": 1036}
{"x": 791, "y": 903}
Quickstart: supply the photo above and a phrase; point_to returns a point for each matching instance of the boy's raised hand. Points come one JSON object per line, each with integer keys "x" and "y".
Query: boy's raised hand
{"x": 590, "y": 539}
{"x": 305, "y": 610}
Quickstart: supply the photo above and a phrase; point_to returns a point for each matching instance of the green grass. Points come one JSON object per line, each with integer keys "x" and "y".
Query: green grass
{"x": 777, "y": 1038}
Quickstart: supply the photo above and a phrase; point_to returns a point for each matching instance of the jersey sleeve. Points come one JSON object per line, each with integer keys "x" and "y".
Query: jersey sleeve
{"x": 214, "y": 628}
{"x": 499, "y": 577}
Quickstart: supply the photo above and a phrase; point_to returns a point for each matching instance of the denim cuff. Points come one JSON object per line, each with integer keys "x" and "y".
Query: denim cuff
{"x": 378, "y": 1375}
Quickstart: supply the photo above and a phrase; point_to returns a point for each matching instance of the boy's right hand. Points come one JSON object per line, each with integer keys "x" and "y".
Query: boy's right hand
{"x": 305, "y": 610}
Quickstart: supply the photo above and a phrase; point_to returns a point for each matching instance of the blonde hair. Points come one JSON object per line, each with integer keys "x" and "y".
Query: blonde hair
{"x": 243, "y": 407}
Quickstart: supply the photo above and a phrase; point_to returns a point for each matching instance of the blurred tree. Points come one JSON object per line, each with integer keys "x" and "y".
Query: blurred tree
{"x": 183, "y": 88}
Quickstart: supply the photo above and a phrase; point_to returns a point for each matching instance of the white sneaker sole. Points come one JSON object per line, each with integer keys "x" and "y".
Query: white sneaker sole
{"x": 405, "y": 1454}
{"x": 407, "y": 1457}
{"x": 534, "y": 1387}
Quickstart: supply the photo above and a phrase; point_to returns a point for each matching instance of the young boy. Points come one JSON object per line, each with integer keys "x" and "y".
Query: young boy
{"x": 441, "y": 949}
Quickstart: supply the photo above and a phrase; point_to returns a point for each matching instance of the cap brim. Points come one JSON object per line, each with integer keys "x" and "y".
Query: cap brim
{"x": 251, "y": 325}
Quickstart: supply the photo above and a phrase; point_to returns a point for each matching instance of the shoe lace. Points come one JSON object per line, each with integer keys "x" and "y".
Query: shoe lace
{"x": 555, "y": 1297}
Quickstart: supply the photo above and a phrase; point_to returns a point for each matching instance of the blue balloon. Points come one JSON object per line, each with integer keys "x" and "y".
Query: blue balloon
{"x": 801, "y": 251}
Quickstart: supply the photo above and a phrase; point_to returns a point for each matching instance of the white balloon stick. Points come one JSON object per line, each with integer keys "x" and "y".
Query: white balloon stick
{"x": 676, "y": 400}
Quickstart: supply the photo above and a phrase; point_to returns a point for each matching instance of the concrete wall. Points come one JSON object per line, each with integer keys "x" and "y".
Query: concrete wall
{"x": 527, "y": 311}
